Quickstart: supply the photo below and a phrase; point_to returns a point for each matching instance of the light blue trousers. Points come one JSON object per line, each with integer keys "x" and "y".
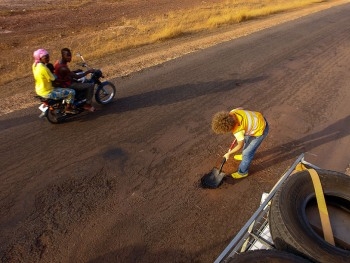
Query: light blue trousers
{"x": 251, "y": 144}
{"x": 60, "y": 93}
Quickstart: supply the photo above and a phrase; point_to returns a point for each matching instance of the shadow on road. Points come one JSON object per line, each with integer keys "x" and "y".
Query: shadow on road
{"x": 147, "y": 99}
{"x": 287, "y": 151}
{"x": 174, "y": 94}
{"x": 179, "y": 93}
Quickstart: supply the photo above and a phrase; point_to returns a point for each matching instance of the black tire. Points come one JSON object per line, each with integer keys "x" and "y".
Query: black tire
{"x": 289, "y": 225}
{"x": 55, "y": 115}
{"x": 267, "y": 256}
{"x": 105, "y": 93}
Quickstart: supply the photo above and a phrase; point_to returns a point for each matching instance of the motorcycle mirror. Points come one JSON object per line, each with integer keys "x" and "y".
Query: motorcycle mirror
{"x": 79, "y": 55}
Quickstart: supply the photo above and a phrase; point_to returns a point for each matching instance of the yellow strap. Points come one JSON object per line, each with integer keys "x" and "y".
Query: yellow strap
{"x": 322, "y": 208}
{"x": 298, "y": 168}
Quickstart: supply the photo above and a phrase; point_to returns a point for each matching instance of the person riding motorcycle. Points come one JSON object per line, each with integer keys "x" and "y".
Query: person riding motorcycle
{"x": 66, "y": 77}
{"x": 43, "y": 81}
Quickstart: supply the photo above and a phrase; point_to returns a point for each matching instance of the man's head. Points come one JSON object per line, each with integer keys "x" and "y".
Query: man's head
{"x": 66, "y": 55}
{"x": 223, "y": 122}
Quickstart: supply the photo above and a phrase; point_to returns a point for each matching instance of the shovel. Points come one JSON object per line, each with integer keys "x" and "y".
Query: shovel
{"x": 214, "y": 178}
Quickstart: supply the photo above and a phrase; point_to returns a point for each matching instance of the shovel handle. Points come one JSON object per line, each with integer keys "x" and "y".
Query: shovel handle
{"x": 232, "y": 144}
{"x": 222, "y": 164}
{"x": 224, "y": 159}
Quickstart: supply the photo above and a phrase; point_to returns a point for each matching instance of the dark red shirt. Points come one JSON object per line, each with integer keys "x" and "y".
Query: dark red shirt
{"x": 63, "y": 74}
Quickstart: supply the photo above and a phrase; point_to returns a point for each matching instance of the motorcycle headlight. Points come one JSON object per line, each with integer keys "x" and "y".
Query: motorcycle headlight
{"x": 98, "y": 73}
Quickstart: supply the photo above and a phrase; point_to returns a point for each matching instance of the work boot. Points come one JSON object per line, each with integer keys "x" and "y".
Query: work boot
{"x": 237, "y": 175}
{"x": 238, "y": 157}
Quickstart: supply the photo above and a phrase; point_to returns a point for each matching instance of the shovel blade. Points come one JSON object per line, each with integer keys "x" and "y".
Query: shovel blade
{"x": 212, "y": 179}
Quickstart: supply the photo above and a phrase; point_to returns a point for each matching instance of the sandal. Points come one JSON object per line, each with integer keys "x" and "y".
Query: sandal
{"x": 88, "y": 107}
{"x": 70, "y": 110}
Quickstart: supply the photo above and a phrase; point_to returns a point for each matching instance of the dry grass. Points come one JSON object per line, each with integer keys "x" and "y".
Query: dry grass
{"x": 133, "y": 33}
{"x": 128, "y": 34}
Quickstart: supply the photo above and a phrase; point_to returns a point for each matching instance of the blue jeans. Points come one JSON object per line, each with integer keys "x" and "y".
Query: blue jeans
{"x": 251, "y": 144}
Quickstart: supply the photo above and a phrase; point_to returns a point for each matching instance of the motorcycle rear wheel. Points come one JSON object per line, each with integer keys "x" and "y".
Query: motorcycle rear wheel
{"x": 105, "y": 92}
{"x": 55, "y": 116}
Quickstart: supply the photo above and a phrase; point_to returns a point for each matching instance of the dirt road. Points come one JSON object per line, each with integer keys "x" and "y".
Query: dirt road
{"x": 121, "y": 184}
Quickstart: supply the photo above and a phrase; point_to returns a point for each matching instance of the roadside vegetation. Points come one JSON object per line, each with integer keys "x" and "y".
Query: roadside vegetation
{"x": 144, "y": 31}
{"x": 128, "y": 34}
{"x": 148, "y": 30}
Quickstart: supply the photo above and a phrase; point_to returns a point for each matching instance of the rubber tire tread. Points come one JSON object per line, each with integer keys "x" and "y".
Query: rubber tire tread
{"x": 267, "y": 256}
{"x": 289, "y": 226}
{"x": 105, "y": 83}
{"x": 52, "y": 118}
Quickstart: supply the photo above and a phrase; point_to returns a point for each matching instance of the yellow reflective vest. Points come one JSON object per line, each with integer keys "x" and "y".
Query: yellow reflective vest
{"x": 251, "y": 123}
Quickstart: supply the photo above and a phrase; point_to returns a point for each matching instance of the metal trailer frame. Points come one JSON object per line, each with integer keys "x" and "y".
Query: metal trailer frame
{"x": 255, "y": 234}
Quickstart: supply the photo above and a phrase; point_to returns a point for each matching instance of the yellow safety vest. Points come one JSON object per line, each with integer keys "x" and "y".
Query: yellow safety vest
{"x": 251, "y": 122}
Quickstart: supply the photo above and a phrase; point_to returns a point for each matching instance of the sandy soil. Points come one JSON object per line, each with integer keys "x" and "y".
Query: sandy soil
{"x": 61, "y": 205}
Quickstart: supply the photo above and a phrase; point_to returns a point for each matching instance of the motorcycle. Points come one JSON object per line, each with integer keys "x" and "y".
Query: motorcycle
{"x": 104, "y": 93}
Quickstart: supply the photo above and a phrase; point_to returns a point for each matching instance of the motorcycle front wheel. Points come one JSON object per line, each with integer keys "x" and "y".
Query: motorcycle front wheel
{"x": 105, "y": 92}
